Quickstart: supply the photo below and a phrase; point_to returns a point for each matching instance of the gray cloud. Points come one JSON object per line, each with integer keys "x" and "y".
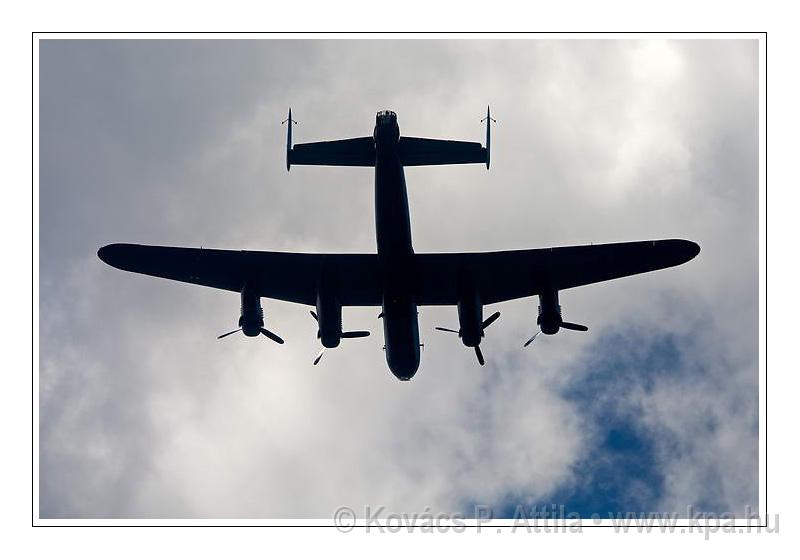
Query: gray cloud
{"x": 144, "y": 414}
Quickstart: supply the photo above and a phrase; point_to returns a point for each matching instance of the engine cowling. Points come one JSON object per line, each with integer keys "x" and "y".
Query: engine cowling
{"x": 471, "y": 325}
{"x": 329, "y": 319}
{"x": 470, "y": 317}
{"x": 252, "y": 314}
{"x": 549, "y": 319}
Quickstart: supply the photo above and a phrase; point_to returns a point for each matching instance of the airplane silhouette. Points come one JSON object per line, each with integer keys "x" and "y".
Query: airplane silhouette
{"x": 396, "y": 278}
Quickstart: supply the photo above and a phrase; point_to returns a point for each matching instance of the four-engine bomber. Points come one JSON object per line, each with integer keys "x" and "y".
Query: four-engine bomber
{"x": 396, "y": 278}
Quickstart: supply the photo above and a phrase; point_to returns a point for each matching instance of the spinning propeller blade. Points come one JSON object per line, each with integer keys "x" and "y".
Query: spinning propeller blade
{"x": 479, "y": 354}
{"x": 355, "y": 334}
{"x": 531, "y": 339}
{"x": 271, "y": 336}
{"x": 228, "y": 333}
{"x": 492, "y": 318}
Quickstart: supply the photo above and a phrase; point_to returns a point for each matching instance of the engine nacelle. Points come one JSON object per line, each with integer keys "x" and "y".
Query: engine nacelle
{"x": 329, "y": 319}
{"x": 549, "y": 319}
{"x": 252, "y": 314}
{"x": 470, "y": 317}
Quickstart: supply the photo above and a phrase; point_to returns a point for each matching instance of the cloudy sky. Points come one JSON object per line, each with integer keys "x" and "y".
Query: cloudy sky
{"x": 143, "y": 413}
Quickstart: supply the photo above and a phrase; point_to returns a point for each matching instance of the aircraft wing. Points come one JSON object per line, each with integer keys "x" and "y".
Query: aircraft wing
{"x": 499, "y": 276}
{"x": 284, "y": 276}
{"x": 505, "y": 275}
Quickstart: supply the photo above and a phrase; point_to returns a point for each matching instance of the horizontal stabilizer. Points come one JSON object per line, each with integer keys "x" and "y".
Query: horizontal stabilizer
{"x": 358, "y": 152}
{"x": 427, "y": 151}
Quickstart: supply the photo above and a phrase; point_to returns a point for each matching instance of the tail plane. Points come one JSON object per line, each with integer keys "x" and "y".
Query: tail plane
{"x": 412, "y": 151}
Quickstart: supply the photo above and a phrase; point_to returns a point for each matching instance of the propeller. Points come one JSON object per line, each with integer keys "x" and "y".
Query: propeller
{"x": 228, "y": 333}
{"x": 564, "y": 325}
{"x": 479, "y": 354}
{"x": 574, "y": 327}
{"x": 491, "y": 319}
{"x": 355, "y": 334}
{"x": 265, "y": 332}
{"x": 271, "y": 335}
{"x": 346, "y": 334}
{"x": 531, "y": 339}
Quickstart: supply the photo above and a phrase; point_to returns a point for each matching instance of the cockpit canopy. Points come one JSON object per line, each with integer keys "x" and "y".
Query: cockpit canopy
{"x": 386, "y": 129}
{"x": 385, "y": 115}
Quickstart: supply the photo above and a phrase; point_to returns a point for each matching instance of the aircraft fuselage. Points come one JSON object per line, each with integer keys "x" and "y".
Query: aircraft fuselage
{"x": 395, "y": 251}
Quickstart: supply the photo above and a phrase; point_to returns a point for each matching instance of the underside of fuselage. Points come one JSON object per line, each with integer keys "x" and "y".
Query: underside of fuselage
{"x": 395, "y": 251}
{"x": 401, "y": 337}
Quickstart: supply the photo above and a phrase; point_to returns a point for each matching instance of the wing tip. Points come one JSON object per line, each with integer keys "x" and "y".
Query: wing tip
{"x": 694, "y": 249}
{"x": 682, "y": 250}
{"x": 690, "y": 249}
{"x": 110, "y": 254}
{"x": 104, "y": 253}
